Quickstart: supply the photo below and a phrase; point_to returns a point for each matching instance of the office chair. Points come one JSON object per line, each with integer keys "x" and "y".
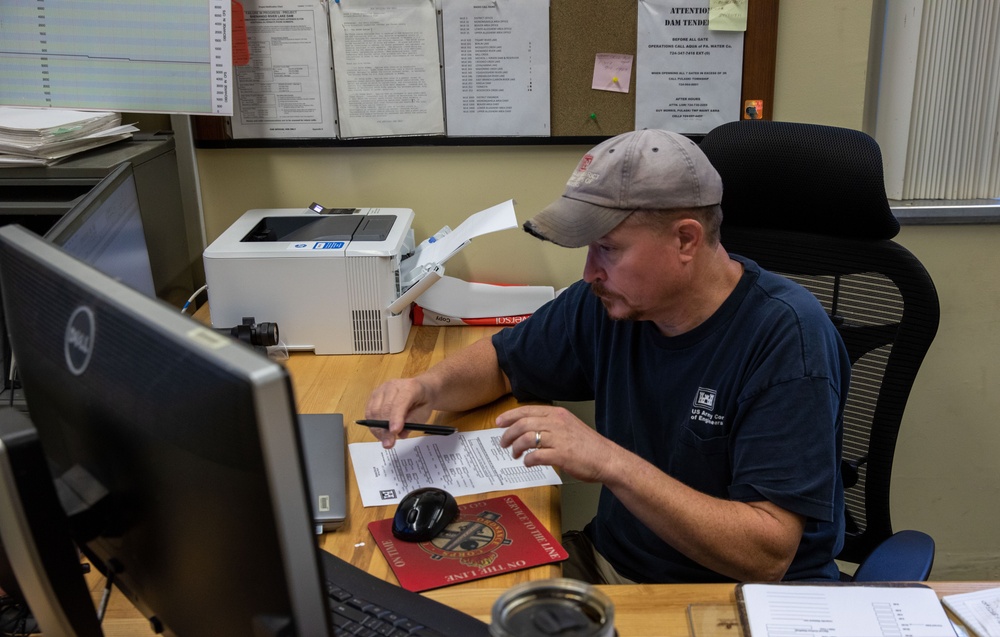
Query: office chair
{"x": 808, "y": 201}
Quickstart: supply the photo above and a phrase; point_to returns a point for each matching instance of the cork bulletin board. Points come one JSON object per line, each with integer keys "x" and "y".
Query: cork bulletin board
{"x": 607, "y": 27}
{"x": 579, "y": 114}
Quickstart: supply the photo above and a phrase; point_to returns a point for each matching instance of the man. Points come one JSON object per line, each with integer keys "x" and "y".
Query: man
{"x": 718, "y": 387}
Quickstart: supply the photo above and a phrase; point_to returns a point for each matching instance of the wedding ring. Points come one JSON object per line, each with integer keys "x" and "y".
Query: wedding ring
{"x": 538, "y": 439}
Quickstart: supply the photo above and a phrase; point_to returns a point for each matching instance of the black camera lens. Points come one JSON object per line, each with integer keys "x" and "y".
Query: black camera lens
{"x": 251, "y": 333}
{"x": 265, "y": 334}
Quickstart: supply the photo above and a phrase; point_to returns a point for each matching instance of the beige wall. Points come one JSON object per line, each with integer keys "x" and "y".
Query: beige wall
{"x": 946, "y": 480}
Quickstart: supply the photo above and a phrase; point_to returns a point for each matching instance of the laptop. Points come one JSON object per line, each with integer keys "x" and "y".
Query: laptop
{"x": 325, "y": 463}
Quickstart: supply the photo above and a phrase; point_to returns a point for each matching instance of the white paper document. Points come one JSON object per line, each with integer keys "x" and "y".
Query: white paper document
{"x": 464, "y": 463}
{"x": 780, "y": 610}
{"x": 434, "y": 251}
{"x": 494, "y": 218}
{"x": 387, "y": 68}
{"x": 496, "y": 67}
{"x": 688, "y": 77}
{"x": 979, "y": 610}
{"x": 287, "y": 88}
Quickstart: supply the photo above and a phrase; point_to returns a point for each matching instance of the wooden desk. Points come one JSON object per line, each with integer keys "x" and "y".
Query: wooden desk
{"x": 646, "y": 610}
{"x": 640, "y": 610}
{"x": 342, "y": 384}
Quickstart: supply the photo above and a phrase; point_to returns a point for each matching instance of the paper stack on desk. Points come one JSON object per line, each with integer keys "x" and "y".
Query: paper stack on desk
{"x": 453, "y": 301}
{"x": 978, "y": 610}
{"x": 43, "y": 136}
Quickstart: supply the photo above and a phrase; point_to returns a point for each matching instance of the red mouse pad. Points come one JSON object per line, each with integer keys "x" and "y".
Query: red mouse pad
{"x": 489, "y": 537}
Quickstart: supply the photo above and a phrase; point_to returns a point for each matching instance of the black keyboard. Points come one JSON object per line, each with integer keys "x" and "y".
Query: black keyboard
{"x": 363, "y": 605}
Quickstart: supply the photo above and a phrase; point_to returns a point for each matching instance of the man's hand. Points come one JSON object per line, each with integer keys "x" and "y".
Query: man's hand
{"x": 466, "y": 379}
{"x": 397, "y": 401}
{"x": 564, "y": 441}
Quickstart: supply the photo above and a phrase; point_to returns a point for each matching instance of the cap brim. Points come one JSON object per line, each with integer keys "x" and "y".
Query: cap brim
{"x": 572, "y": 223}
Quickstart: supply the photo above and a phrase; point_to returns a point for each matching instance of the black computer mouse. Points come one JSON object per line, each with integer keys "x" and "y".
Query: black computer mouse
{"x": 423, "y": 513}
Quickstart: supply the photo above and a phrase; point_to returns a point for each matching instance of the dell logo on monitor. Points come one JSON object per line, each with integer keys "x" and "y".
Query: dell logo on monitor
{"x": 79, "y": 339}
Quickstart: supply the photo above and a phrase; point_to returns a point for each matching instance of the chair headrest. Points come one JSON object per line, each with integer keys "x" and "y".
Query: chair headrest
{"x": 801, "y": 177}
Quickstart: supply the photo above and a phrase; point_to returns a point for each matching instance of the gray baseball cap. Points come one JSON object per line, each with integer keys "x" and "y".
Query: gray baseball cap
{"x": 641, "y": 170}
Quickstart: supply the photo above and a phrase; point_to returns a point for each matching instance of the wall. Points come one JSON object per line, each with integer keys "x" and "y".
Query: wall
{"x": 945, "y": 481}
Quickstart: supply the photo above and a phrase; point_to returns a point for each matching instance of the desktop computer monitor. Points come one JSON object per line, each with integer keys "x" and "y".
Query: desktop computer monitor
{"x": 103, "y": 229}
{"x": 8, "y": 583}
{"x": 47, "y": 565}
{"x": 174, "y": 449}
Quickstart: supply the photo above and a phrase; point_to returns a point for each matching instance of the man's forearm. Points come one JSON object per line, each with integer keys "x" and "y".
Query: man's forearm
{"x": 467, "y": 379}
{"x": 745, "y": 541}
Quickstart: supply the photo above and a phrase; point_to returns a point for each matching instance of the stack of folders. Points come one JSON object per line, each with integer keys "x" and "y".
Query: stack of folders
{"x": 43, "y": 136}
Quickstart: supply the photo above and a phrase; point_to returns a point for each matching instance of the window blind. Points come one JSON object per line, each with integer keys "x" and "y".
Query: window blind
{"x": 938, "y": 118}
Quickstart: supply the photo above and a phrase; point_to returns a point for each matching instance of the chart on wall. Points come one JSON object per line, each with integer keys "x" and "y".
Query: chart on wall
{"x": 168, "y": 56}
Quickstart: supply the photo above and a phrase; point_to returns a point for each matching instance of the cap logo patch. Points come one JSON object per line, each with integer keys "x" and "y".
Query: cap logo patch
{"x": 578, "y": 179}
{"x": 585, "y": 162}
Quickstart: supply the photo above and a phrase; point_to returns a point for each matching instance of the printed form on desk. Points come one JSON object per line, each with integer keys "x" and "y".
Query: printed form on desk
{"x": 841, "y": 610}
{"x": 979, "y": 610}
{"x": 463, "y": 463}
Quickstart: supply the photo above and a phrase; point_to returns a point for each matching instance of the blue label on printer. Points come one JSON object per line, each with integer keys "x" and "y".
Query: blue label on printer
{"x": 328, "y": 245}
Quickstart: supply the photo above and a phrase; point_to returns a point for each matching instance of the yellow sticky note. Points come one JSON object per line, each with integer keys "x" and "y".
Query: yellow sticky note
{"x": 727, "y": 15}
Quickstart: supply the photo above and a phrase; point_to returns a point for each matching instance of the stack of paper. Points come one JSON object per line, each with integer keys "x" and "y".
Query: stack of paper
{"x": 453, "y": 301}
{"x": 41, "y": 136}
{"x": 979, "y": 610}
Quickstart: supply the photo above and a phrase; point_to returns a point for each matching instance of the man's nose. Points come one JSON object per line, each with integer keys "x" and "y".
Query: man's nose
{"x": 592, "y": 271}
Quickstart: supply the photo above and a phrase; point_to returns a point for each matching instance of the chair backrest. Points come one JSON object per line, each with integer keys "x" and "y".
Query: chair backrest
{"x": 808, "y": 201}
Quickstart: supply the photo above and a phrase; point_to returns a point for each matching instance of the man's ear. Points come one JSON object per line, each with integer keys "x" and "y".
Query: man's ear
{"x": 690, "y": 235}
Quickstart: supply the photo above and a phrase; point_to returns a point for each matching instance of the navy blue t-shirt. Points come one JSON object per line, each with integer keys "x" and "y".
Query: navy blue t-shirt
{"x": 748, "y": 406}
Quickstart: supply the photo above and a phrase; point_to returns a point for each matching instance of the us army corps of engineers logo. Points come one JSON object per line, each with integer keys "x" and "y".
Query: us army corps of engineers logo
{"x": 704, "y": 407}
{"x": 472, "y": 539}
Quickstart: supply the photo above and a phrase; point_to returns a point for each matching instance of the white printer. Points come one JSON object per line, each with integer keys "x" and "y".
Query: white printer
{"x": 330, "y": 280}
{"x": 336, "y": 281}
